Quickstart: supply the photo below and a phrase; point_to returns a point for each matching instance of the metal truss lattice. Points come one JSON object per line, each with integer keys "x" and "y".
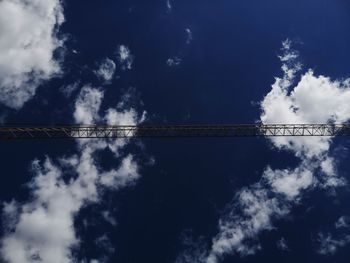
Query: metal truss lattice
{"x": 169, "y": 131}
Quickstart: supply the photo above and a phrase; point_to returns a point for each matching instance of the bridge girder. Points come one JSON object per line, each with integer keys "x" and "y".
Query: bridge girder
{"x": 169, "y": 131}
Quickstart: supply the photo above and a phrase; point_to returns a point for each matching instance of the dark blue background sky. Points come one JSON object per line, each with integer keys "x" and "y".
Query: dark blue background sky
{"x": 230, "y": 63}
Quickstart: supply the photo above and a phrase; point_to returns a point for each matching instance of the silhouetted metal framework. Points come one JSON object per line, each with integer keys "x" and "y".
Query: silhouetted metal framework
{"x": 168, "y": 131}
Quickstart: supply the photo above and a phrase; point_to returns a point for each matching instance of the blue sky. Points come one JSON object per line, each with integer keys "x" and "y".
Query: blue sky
{"x": 175, "y": 62}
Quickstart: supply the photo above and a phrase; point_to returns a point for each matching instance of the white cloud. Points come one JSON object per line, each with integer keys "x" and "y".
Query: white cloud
{"x": 109, "y": 218}
{"x": 126, "y": 174}
{"x": 106, "y": 70}
{"x": 69, "y": 89}
{"x": 330, "y": 177}
{"x": 256, "y": 207}
{"x": 42, "y": 229}
{"x": 343, "y": 222}
{"x": 288, "y": 182}
{"x": 28, "y": 40}
{"x": 189, "y": 36}
{"x": 125, "y": 57}
{"x": 169, "y": 5}
{"x": 328, "y": 244}
{"x": 314, "y": 99}
{"x": 88, "y": 105}
{"x": 282, "y": 244}
{"x": 194, "y": 249}
{"x": 253, "y": 211}
{"x": 174, "y": 61}
{"x": 104, "y": 243}
{"x": 115, "y": 117}
{"x": 302, "y": 104}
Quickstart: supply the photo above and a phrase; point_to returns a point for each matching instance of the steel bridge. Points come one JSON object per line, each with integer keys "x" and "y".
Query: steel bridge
{"x": 171, "y": 131}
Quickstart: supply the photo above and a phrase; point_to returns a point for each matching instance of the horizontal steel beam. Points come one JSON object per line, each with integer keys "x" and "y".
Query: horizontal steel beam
{"x": 168, "y": 131}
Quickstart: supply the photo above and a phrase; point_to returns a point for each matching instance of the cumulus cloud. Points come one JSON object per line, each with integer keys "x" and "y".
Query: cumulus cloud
{"x": 289, "y": 182}
{"x": 87, "y": 106}
{"x": 120, "y": 117}
{"x": 106, "y": 70}
{"x": 291, "y": 100}
{"x": 42, "y": 229}
{"x": 126, "y": 174}
{"x": 125, "y": 58}
{"x": 302, "y": 104}
{"x": 28, "y": 40}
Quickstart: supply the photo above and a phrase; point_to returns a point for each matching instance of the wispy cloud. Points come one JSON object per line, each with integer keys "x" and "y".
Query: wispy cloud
{"x": 329, "y": 244}
{"x": 28, "y": 41}
{"x": 194, "y": 250}
{"x": 343, "y": 222}
{"x": 106, "y": 70}
{"x": 189, "y": 37}
{"x": 88, "y": 105}
{"x": 272, "y": 197}
{"x": 125, "y": 58}
{"x": 169, "y": 5}
{"x": 282, "y": 244}
{"x": 280, "y": 189}
{"x": 255, "y": 208}
{"x": 42, "y": 229}
{"x": 174, "y": 61}
{"x": 109, "y": 218}
{"x": 68, "y": 90}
